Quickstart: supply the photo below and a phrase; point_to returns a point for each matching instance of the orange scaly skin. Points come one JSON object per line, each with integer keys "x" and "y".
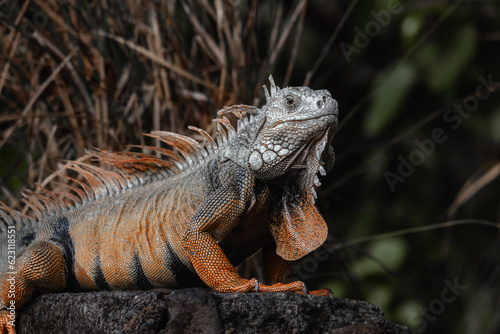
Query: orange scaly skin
{"x": 186, "y": 221}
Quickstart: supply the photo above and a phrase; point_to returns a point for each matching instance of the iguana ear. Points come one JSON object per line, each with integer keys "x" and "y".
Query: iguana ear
{"x": 297, "y": 228}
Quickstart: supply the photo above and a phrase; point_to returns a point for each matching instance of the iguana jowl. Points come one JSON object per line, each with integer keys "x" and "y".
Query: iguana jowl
{"x": 189, "y": 219}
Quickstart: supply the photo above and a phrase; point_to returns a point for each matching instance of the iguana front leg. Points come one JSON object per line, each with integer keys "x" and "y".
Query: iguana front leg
{"x": 217, "y": 216}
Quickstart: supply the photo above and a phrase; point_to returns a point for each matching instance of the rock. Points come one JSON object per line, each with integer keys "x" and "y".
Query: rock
{"x": 198, "y": 310}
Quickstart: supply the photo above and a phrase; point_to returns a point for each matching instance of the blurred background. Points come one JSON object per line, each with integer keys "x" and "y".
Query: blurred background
{"x": 413, "y": 201}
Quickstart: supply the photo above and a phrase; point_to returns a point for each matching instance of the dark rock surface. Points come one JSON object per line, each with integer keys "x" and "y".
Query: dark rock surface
{"x": 199, "y": 311}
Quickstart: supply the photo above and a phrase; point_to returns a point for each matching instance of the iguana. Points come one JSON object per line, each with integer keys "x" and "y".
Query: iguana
{"x": 188, "y": 220}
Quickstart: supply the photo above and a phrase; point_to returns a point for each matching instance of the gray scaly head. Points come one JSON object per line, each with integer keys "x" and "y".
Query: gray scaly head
{"x": 287, "y": 142}
{"x": 297, "y": 127}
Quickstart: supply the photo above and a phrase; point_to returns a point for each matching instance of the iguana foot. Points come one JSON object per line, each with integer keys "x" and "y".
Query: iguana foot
{"x": 297, "y": 287}
{"x": 7, "y": 322}
{"x": 252, "y": 285}
{"x": 322, "y": 292}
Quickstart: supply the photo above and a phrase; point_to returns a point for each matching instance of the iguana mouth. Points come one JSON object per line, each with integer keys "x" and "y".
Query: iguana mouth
{"x": 326, "y": 113}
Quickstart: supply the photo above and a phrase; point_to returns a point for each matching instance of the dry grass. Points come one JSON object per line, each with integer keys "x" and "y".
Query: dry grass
{"x": 76, "y": 74}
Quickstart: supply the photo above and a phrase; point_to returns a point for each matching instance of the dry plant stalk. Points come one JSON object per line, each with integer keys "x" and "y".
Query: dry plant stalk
{"x": 75, "y": 76}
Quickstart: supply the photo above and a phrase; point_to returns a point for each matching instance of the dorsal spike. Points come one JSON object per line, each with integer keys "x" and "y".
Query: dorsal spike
{"x": 32, "y": 202}
{"x": 84, "y": 192}
{"x": 49, "y": 195}
{"x": 132, "y": 162}
{"x": 185, "y": 145}
{"x": 266, "y": 93}
{"x": 161, "y": 150}
{"x": 209, "y": 141}
{"x": 13, "y": 217}
{"x": 202, "y": 132}
{"x": 142, "y": 161}
{"x": 126, "y": 178}
{"x": 239, "y": 110}
{"x": 174, "y": 139}
{"x": 75, "y": 199}
{"x": 107, "y": 179}
{"x": 224, "y": 121}
{"x": 5, "y": 213}
{"x": 50, "y": 205}
{"x": 274, "y": 89}
{"x": 219, "y": 137}
{"x": 94, "y": 183}
{"x": 7, "y": 220}
{"x": 222, "y": 129}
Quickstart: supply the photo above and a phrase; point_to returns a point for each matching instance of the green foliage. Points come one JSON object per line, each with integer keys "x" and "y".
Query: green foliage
{"x": 389, "y": 97}
{"x": 443, "y": 63}
{"x": 11, "y": 163}
{"x": 391, "y": 251}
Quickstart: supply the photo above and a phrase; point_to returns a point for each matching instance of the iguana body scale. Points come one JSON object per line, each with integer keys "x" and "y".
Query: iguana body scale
{"x": 187, "y": 220}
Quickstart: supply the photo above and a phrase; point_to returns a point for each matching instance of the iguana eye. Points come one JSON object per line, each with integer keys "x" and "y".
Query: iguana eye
{"x": 290, "y": 102}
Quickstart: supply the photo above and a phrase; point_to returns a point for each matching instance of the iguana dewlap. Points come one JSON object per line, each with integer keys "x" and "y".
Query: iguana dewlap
{"x": 183, "y": 221}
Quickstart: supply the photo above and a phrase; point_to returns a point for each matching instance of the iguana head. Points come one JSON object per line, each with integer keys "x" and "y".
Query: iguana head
{"x": 295, "y": 132}
{"x": 288, "y": 144}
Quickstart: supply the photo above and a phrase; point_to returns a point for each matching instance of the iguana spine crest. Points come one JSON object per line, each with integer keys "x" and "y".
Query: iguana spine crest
{"x": 129, "y": 170}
